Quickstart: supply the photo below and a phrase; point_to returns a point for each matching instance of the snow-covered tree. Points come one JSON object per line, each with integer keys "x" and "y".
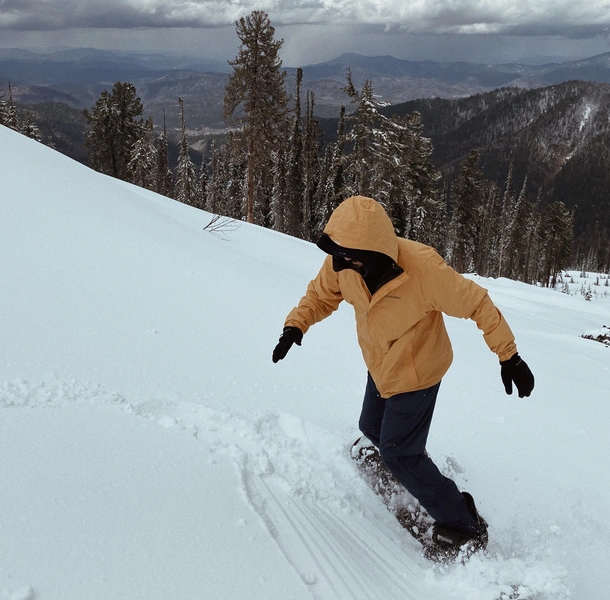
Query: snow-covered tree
{"x": 366, "y": 131}
{"x": 311, "y": 171}
{"x": 294, "y": 189}
{"x": 163, "y": 175}
{"x": 556, "y": 232}
{"x": 215, "y": 187}
{"x": 279, "y": 199}
{"x": 114, "y": 129}
{"x": 8, "y": 111}
{"x": 486, "y": 246}
{"x": 30, "y": 129}
{"x": 519, "y": 238}
{"x": 468, "y": 196}
{"x": 236, "y": 182}
{"x": 186, "y": 186}
{"x": 203, "y": 182}
{"x": 143, "y": 162}
{"x": 256, "y": 99}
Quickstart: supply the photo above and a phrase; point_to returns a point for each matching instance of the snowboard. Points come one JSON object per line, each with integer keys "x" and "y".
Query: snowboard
{"x": 407, "y": 510}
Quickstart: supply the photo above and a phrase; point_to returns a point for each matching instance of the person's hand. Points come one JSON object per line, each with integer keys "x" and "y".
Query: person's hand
{"x": 290, "y": 335}
{"x": 515, "y": 370}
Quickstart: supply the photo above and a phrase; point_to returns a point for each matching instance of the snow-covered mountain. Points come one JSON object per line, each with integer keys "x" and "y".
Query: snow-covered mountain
{"x": 150, "y": 450}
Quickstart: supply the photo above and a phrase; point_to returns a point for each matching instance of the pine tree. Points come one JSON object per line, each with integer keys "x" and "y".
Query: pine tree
{"x": 331, "y": 190}
{"x": 518, "y": 242}
{"x": 163, "y": 176}
{"x": 214, "y": 195}
{"x": 2, "y": 108}
{"x": 426, "y": 179}
{"x": 202, "y": 182}
{"x": 365, "y": 128}
{"x": 143, "y": 162}
{"x": 468, "y": 196}
{"x": 556, "y": 232}
{"x": 532, "y": 257}
{"x": 30, "y": 129}
{"x": 336, "y": 176}
{"x": 486, "y": 253}
{"x": 114, "y": 129}
{"x": 186, "y": 176}
{"x": 507, "y": 219}
{"x": 389, "y": 181}
{"x": 257, "y": 87}
{"x": 320, "y": 203}
{"x": 444, "y": 201}
{"x": 391, "y": 161}
{"x": 235, "y": 192}
{"x": 413, "y": 182}
{"x": 100, "y": 139}
{"x": 279, "y": 199}
{"x": 295, "y": 186}
{"x": 311, "y": 170}
{"x": 9, "y": 117}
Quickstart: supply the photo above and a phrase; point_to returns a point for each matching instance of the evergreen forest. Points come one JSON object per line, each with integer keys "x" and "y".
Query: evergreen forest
{"x": 473, "y": 196}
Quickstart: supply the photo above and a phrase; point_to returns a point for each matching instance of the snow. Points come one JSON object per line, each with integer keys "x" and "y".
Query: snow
{"x": 151, "y": 449}
{"x": 586, "y": 116}
{"x": 602, "y": 335}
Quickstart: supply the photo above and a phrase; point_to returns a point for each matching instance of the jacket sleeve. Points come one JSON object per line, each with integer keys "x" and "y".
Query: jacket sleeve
{"x": 459, "y": 297}
{"x": 322, "y": 297}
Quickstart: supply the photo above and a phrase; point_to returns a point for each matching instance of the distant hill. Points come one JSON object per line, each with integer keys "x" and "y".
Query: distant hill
{"x": 90, "y": 65}
{"x": 78, "y": 76}
{"x": 557, "y": 136}
{"x": 397, "y": 81}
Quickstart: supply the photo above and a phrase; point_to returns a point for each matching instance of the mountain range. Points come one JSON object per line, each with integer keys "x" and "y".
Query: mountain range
{"x": 77, "y": 77}
{"x": 398, "y": 81}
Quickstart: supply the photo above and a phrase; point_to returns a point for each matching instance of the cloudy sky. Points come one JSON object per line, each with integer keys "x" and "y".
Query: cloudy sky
{"x": 317, "y": 30}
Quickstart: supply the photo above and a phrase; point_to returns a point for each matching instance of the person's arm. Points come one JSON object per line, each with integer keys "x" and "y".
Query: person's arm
{"x": 457, "y": 296}
{"x": 322, "y": 297}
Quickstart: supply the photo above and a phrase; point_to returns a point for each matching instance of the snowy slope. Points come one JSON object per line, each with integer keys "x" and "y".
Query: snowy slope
{"x": 151, "y": 450}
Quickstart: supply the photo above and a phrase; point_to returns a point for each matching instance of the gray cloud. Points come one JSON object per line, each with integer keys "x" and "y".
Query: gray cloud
{"x": 463, "y": 17}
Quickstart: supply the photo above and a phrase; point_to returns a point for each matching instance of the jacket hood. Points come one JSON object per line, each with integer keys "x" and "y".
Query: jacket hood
{"x": 361, "y": 223}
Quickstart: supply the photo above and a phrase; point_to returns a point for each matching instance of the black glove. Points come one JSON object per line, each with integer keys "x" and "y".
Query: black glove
{"x": 515, "y": 369}
{"x": 290, "y": 335}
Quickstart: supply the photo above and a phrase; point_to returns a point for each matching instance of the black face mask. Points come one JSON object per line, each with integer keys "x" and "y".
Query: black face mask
{"x": 376, "y": 270}
{"x": 341, "y": 263}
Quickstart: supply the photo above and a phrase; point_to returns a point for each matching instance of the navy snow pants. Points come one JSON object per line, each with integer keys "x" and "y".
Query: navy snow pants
{"x": 399, "y": 427}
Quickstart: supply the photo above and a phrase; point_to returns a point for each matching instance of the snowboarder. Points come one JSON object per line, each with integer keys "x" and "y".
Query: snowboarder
{"x": 399, "y": 290}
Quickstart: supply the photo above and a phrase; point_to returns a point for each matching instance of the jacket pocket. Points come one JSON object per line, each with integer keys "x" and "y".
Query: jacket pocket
{"x": 398, "y": 369}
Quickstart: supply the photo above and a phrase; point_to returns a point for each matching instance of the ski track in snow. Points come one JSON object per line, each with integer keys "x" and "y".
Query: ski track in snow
{"x": 333, "y": 531}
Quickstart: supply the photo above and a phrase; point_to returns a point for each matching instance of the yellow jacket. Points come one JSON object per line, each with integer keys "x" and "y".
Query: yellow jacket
{"x": 400, "y": 327}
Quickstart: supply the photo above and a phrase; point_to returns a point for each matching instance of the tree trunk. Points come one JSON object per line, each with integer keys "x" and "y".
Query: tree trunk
{"x": 250, "y": 205}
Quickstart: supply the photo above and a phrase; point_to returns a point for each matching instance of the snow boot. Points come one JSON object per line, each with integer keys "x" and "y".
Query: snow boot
{"x": 451, "y": 545}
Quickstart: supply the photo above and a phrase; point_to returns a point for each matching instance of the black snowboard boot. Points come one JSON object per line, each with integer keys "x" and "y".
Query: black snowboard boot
{"x": 449, "y": 544}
